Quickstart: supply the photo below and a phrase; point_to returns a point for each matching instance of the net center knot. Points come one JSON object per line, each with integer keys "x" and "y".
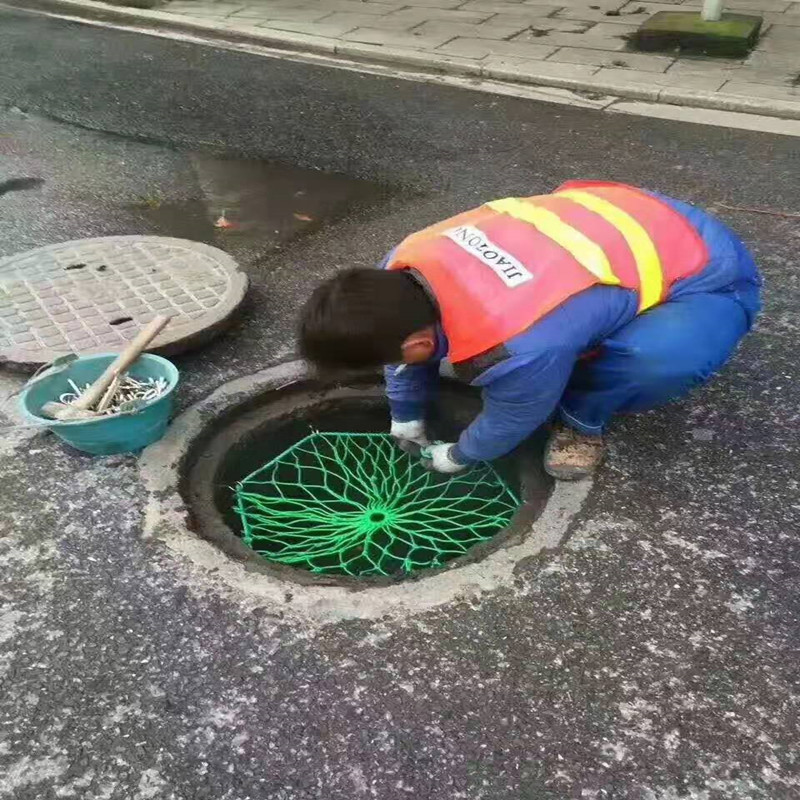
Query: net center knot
{"x": 378, "y": 517}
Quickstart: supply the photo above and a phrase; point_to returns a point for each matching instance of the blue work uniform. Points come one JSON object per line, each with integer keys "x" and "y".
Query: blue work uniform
{"x": 639, "y": 361}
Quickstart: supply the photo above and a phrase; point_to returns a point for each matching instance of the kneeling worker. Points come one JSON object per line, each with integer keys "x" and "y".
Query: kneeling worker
{"x": 594, "y": 300}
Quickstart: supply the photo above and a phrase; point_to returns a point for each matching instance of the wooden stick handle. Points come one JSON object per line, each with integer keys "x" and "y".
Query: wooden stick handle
{"x": 96, "y": 391}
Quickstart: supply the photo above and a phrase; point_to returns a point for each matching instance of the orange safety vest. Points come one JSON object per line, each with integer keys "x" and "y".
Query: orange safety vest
{"x": 499, "y": 268}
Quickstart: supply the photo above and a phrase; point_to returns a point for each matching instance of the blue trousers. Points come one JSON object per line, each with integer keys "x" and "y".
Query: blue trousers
{"x": 659, "y": 356}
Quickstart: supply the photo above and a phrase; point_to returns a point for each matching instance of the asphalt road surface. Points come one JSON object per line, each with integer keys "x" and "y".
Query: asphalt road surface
{"x": 655, "y": 656}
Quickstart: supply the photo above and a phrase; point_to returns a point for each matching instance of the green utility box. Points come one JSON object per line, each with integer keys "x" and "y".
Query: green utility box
{"x": 733, "y": 36}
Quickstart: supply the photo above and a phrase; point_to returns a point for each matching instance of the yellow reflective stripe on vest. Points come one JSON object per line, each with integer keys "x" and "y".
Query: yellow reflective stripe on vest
{"x": 648, "y": 263}
{"x": 586, "y": 252}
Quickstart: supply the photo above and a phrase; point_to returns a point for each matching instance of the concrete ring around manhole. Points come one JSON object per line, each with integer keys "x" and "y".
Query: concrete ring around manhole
{"x": 190, "y": 476}
{"x": 94, "y": 295}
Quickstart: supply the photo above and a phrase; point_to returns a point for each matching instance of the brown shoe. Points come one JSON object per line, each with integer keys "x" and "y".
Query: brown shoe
{"x": 572, "y": 456}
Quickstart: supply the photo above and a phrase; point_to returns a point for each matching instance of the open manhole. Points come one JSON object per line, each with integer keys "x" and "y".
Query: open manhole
{"x": 356, "y": 505}
{"x": 283, "y": 445}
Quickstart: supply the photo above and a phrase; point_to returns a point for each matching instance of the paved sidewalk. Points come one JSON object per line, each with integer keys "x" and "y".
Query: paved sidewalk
{"x": 574, "y": 44}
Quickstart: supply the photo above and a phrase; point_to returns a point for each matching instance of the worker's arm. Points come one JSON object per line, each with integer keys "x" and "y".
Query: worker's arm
{"x": 515, "y": 404}
{"x": 410, "y": 391}
{"x": 522, "y": 392}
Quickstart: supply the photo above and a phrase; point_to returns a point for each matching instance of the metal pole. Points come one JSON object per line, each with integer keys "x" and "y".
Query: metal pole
{"x": 712, "y": 10}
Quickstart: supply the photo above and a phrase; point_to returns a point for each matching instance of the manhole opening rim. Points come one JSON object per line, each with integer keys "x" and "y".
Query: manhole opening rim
{"x": 169, "y": 468}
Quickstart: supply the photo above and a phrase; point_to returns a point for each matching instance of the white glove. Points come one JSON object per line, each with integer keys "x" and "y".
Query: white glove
{"x": 410, "y": 436}
{"x": 438, "y": 457}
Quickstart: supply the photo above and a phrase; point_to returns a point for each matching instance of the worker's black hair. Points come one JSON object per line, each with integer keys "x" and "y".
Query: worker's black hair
{"x": 361, "y": 317}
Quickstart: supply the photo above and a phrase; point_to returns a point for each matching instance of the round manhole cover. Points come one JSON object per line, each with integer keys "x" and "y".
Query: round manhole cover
{"x": 93, "y": 295}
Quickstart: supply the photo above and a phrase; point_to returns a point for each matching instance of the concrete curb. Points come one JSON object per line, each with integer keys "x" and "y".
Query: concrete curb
{"x": 413, "y": 60}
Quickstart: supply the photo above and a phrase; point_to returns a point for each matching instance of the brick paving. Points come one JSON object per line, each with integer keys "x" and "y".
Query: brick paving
{"x": 573, "y": 43}
{"x": 580, "y": 45}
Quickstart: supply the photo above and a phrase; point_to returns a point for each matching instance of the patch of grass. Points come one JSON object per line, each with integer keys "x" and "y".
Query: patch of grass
{"x": 151, "y": 200}
{"x": 589, "y": 95}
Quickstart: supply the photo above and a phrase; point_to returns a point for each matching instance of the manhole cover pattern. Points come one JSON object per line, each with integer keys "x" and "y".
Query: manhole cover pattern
{"x": 94, "y": 295}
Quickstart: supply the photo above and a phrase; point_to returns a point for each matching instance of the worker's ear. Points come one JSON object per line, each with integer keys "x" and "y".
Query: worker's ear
{"x": 420, "y": 346}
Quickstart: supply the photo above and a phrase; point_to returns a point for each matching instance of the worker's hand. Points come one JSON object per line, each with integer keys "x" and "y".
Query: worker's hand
{"x": 439, "y": 458}
{"x": 410, "y": 436}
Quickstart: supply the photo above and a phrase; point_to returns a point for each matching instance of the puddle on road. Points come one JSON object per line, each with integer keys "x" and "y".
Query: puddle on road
{"x": 251, "y": 207}
{"x": 187, "y": 220}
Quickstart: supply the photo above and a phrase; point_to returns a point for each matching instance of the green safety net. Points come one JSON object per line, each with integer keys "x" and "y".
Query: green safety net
{"x": 355, "y": 504}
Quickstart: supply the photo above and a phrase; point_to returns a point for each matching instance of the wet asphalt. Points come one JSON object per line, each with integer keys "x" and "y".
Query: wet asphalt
{"x": 654, "y": 656}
